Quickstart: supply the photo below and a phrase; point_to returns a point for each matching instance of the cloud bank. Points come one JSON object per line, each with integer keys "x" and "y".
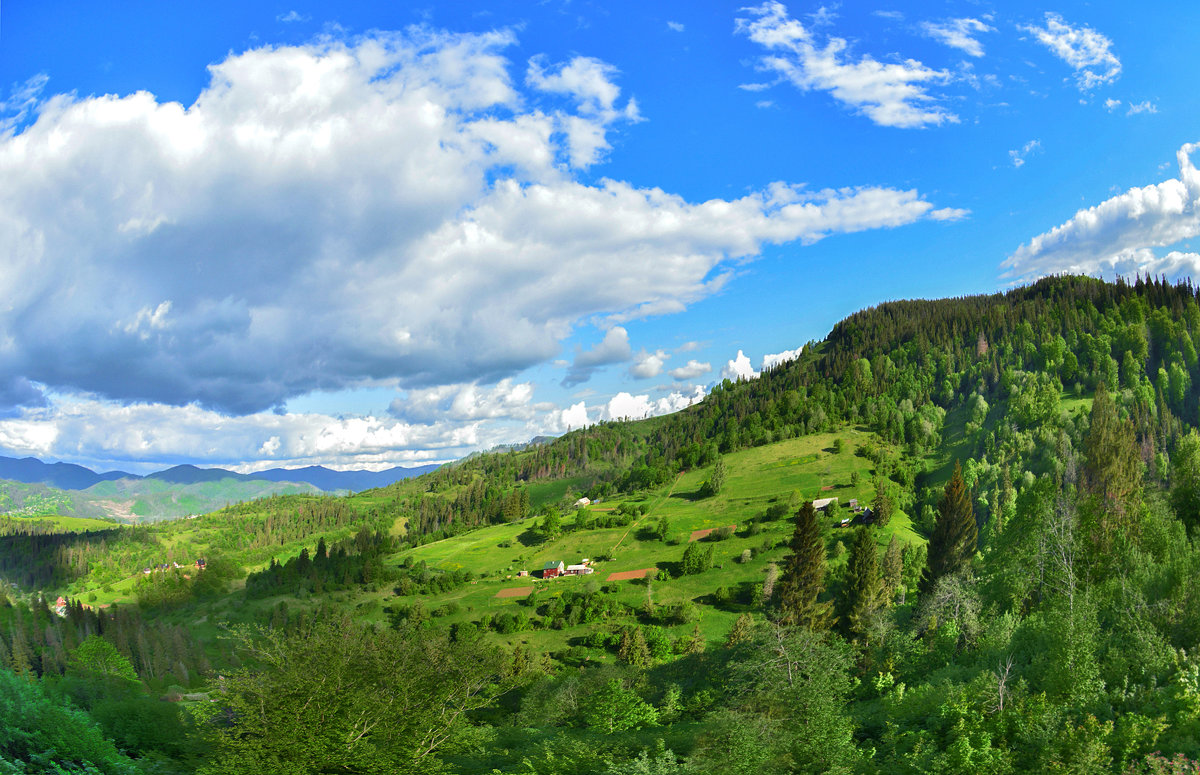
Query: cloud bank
{"x": 391, "y": 209}
{"x": 1118, "y": 234}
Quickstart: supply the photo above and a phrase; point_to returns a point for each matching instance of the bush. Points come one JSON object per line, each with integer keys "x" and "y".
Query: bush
{"x": 721, "y": 534}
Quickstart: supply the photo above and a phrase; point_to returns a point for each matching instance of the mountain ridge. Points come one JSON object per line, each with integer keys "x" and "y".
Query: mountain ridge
{"x": 70, "y": 476}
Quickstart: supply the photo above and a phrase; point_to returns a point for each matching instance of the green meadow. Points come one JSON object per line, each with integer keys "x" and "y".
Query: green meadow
{"x": 787, "y": 472}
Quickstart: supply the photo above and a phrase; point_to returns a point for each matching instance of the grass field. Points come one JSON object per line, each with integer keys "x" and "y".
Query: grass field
{"x": 70, "y": 524}
{"x": 780, "y": 474}
{"x": 756, "y": 479}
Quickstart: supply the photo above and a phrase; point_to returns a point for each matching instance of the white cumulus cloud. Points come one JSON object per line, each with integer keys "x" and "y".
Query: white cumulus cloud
{"x": 389, "y": 209}
{"x": 648, "y": 364}
{"x": 774, "y": 359}
{"x": 626, "y": 406}
{"x": 890, "y": 94}
{"x": 958, "y": 33}
{"x": 690, "y": 370}
{"x": 1118, "y": 234}
{"x": 614, "y": 348}
{"x": 504, "y": 400}
{"x": 1088, "y": 52}
{"x": 738, "y": 368}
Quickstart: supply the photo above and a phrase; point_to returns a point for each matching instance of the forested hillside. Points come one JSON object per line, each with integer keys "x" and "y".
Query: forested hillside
{"x": 1020, "y": 597}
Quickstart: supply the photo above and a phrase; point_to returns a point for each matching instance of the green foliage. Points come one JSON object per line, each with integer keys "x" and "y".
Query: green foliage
{"x": 697, "y": 558}
{"x": 337, "y": 697}
{"x": 801, "y": 678}
{"x": 1185, "y": 480}
{"x": 955, "y": 534}
{"x": 716, "y": 480}
{"x": 47, "y": 737}
{"x": 864, "y": 587}
{"x": 1069, "y": 645}
{"x": 96, "y": 656}
{"x": 1113, "y": 472}
{"x": 614, "y": 708}
{"x": 803, "y": 577}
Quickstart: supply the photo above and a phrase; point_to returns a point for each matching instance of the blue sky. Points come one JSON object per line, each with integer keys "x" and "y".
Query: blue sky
{"x": 250, "y": 234}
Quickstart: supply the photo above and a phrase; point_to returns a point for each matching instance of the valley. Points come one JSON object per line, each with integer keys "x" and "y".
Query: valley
{"x": 683, "y": 592}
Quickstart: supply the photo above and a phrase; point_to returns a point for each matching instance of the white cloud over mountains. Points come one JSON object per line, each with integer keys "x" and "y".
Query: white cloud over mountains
{"x": 106, "y": 435}
{"x": 771, "y": 360}
{"x": 738, "y": 367}
{"x": 1119, "y": 234}
{"x": 390, "y": 209}
{"x": 894, "y": 94}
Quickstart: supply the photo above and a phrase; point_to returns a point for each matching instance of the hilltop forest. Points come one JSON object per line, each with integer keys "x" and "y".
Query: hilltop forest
{"x": 954, "y": 536}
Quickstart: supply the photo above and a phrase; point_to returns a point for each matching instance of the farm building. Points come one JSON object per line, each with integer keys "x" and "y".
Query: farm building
{"x": 820, "y": 504}
{"x": 579, "y": 570}
{"x": 584, "y": 501}
{"x": 552, "y": 569}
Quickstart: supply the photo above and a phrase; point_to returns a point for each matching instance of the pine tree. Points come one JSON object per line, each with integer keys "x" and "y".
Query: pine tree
{"x": 633, "y": 649}
{"x": 955, "y": 532}
{"x": 743, "y": 628}
{"x": 864, "y": 587}
{"x": 803, "y": 577}
{"x": 1113, "y": 472}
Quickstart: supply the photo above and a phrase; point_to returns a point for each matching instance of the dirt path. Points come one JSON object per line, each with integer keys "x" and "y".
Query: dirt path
{"x": 637, "y": 522}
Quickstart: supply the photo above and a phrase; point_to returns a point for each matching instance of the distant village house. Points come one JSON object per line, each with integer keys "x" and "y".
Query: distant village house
{"x": 555, "y": 568}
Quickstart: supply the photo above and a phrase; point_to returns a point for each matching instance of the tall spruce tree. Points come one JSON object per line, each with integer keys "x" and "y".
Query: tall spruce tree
{"x": 955, "y": 532}
{"x": 1112, "y": 474}
{"x": 803, "y": 577}
{"x": 864, "y": 587}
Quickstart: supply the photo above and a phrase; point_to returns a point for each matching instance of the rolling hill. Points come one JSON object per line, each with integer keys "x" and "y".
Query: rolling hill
{"x": 1053, "y": 426}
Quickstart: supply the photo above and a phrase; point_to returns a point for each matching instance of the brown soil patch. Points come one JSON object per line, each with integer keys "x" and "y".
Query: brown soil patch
{"x": 515, "y": 592}
{"x": 698, "y": 534}
{"x": 826, "y": 488}
{"x": 625, "y": 575}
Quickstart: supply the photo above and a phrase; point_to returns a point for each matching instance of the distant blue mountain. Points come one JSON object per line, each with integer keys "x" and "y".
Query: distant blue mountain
{"x": 67, "y": 476}
{"x": 189, "y": 474}
{"x": 64, "y": 476}
{"x": 326, "y": 479}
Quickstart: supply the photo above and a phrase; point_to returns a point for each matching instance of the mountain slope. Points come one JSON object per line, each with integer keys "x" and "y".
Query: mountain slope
{"x": 65, "y": 476}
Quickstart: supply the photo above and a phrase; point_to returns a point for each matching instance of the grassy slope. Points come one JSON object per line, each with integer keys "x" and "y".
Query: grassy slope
{"x": 69, "y": 524}
{"x": 756, "y": 479}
